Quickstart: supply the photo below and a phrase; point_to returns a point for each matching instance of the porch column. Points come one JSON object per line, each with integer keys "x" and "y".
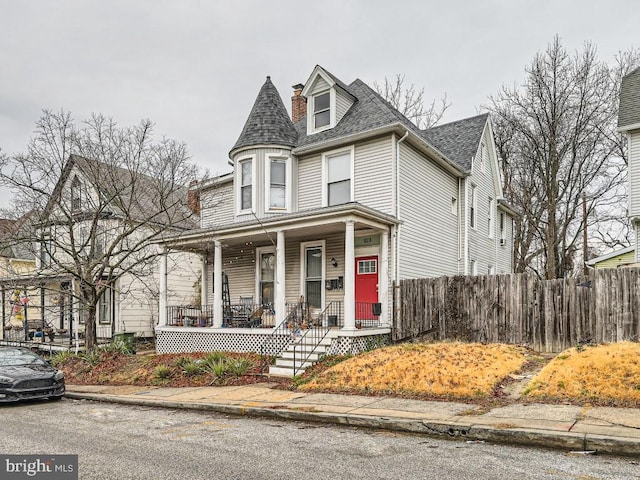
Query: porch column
{"x": 204, "y": 281}
{"x": 162, "y": 308}
{"x": 383, "y": 285}
{"x": 349, "y": 277}
{"x": 280, "y": 295}
{"x": 217, "y": 284}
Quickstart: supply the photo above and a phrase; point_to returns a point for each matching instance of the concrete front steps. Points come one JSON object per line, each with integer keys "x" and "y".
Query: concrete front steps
{"x": 285, "y": 361}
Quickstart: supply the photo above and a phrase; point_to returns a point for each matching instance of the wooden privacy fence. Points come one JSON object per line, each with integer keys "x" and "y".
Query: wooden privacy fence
{"x": 548, "y": 315}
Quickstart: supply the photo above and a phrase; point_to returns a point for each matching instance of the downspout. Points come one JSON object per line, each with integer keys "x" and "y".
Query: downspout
{"x": 465, "y": 246}
{"x": 459, "y": 220}
{"x": 397, "y": 263}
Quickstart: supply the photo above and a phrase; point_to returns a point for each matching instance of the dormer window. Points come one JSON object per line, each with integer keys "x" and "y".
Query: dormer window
{"x": 321, "y": 110}
{"x": 76, "y": 194}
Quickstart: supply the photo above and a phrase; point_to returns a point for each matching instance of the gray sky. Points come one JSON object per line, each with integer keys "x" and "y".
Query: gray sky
{"x": 195, "y": 67}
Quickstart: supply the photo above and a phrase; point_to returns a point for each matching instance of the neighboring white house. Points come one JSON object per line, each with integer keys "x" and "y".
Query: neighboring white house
{"x": 334, "y": 205}
{"x": 73, "y": 237}
{"x": 629, "y": 124}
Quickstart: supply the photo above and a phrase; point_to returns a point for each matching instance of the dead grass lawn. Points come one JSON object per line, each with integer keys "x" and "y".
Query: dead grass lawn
{"x": 442, "y": 370}
{"x": 606, "y": 374}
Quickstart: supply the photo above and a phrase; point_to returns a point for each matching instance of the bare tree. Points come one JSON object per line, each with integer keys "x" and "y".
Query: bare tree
{"x": 557, "y": 140}
{"x": 97, "y": 196}
{"x": 410, "y": 101}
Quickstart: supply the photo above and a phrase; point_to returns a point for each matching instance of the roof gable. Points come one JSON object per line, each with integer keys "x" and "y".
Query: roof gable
{"x": 629, "y": 113}
{"x": 458, "y": 140}
{"x": 124, "y": 193}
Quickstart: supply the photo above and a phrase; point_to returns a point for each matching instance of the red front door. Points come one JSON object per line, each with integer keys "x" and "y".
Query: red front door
{"x": 366, "y": 287}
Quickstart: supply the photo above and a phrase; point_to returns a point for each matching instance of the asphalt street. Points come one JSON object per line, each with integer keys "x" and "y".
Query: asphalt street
{"x": 133, "y": 442}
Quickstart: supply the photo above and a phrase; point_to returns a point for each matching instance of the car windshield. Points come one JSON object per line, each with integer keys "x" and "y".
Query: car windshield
{"x": 19, "y": 357}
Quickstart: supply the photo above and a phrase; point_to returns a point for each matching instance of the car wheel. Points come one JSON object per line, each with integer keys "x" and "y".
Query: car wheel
{"x": 56, "y": 399}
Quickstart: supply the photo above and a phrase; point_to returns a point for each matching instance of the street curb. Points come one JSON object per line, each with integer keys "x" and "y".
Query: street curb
{"x": 449, "y": 430}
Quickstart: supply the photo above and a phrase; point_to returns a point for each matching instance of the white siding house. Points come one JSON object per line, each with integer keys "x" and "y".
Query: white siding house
{"x": 329, "y": 209}
{"x": 629, "y": 124}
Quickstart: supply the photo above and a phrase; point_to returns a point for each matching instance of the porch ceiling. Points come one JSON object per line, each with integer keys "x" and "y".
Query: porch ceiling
{"x": 311, "y": 225}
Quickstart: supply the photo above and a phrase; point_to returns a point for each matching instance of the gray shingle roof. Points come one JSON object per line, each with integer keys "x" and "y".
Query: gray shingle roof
{"x": 268, "y": 122}
{"x": 131, "y": 195}
{"x": 629, "y": 113}
{"x": 458, "y": 140}
{"x": 370, "y": 111}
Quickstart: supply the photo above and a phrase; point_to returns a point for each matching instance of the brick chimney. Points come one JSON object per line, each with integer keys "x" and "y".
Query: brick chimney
{"x": 298, "y": 103}
{"x": 193, "y": 197}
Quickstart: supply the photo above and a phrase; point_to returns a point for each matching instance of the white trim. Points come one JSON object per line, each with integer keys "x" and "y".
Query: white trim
{"x": 287, "y": 183}
{"x": 238, "y": 184}
{"x": 333, "y": 153}
{"x": 491, "y": 227}
{"x": 311, "y": 81}
{"x": 610, "y": 255}
{"x": 495, "y": 167}
{"x": 303, "y": 267}
{"x": 627, "y": 128}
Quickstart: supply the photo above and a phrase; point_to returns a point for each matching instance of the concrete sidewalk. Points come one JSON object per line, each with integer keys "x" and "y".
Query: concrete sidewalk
{"x": 574, "y": 428}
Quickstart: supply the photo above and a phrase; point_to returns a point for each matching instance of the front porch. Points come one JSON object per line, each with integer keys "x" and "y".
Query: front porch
{"x": 329, "y": 270}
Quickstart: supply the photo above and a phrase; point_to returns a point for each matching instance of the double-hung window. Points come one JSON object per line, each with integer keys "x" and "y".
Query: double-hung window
{"x": 338, "y": 175}
{"x": 76, "y": 194}
{"x": 490, "y": 218}
{"x": 104, "y": 306}
{"x": 246, "y": 184}
{"x": 473, "y": 207}
{"x": 321, "y": 110}
{"x": 277, "y": 176}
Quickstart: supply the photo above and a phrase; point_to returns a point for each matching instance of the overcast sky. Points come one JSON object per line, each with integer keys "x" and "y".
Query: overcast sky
{"x": 195, "y": 67}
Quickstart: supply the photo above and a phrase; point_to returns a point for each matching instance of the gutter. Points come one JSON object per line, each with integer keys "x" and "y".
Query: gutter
{"x": 440, "y": 157}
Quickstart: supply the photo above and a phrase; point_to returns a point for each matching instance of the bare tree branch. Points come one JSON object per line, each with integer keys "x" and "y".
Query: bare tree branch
{"x": 557, "y": 140}
{"x": 410, "y": 101}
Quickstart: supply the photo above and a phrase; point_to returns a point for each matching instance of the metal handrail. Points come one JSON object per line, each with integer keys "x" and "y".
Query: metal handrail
{"x": 317, "y": 330}
{"x": 284, "y": 328}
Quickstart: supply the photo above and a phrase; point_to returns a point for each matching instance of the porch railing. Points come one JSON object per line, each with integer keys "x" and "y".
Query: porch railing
{"x": 190, "y": 316}
{"x": 255, "y": 315}
{"x": 368, "y": 315}
{"x": 242, "y": 315}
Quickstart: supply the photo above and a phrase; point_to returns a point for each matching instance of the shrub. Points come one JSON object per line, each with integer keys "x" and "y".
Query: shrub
{"x": 60, "y": 358}
{"x": 162, "y": 372}
{"x": 92, "y": 357}
{"x": 240, "y": 366}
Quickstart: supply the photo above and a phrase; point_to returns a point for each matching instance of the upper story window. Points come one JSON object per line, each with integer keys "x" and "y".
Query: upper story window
{"x": 338, "y": 173}
{"x": 490, "y": 218}
{"x": 321, "y": 110}
{"x": 277, "y": 179}
{"x": 484, "y": 156}
{"x": 46, "y": 249}
{"x": 473, "y": 207}
{"x": 76, "y": 194}
{"x": 245, "y": 189}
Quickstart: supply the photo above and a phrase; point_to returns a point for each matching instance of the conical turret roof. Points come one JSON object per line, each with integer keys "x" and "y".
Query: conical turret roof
{"x": 268, "y": 122}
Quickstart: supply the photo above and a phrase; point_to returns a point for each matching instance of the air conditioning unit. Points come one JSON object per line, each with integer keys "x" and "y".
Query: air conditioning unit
{"x": 503, "y": 242}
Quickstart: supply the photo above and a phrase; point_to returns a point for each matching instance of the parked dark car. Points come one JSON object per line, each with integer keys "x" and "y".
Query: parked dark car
{"x": 25, "y": 375}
